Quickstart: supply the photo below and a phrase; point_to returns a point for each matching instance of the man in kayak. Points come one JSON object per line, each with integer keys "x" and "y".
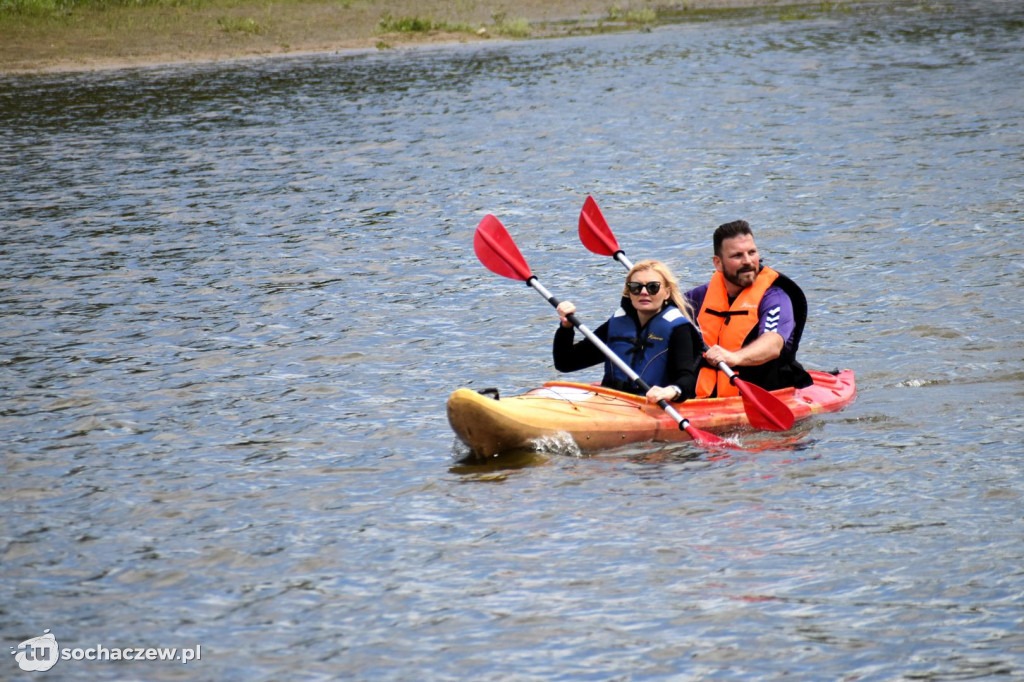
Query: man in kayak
{"x": 651, "y": 332}
{"x": 751, "y": 318}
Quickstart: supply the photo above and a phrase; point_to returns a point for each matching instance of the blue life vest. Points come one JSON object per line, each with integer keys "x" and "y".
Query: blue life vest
{"x": 644, "y": 350}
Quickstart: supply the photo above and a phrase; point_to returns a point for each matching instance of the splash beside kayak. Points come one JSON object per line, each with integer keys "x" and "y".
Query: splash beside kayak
{"x": 598, "y": 418}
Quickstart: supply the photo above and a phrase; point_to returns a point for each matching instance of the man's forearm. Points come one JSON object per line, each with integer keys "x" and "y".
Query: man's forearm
{"x": 763, "y": 349}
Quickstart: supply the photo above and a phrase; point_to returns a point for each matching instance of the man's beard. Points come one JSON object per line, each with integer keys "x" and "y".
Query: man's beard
{"x": 737, "y": 277}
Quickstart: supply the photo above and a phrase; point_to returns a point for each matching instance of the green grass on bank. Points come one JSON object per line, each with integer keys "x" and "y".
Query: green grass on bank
{"x": 40, "y": 11}
{"x": 41, "y": 8}
{"x": 502, "y": 25}
{"x": 388, "y": 23}
{"x": 37, "y": 34}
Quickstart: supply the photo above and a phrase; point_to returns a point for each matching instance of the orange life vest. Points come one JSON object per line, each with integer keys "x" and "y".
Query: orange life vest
{"x": 728, "y": 326}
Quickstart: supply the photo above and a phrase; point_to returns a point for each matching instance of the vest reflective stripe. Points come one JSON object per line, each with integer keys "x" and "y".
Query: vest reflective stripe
{"x": 728, "y": 326}
{"x": 648, "y": 356}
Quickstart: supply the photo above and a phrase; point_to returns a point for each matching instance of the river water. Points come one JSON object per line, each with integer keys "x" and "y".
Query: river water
{"x": 235, "y": 298}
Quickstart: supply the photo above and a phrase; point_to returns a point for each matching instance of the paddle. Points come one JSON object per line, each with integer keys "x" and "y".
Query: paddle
{"x": 499, "y": 254}
{"x": 764, "y": 410}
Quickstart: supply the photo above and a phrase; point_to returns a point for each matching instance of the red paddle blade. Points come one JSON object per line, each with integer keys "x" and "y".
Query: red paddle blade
{"x": 764, "y": 410}
{"x": 496, "y": 250}
{"x": 594, "y": 231}
{"x": 709, "y": 439}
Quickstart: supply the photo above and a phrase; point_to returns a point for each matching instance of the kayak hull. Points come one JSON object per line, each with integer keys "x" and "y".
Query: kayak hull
{"x": 598, "y": 418}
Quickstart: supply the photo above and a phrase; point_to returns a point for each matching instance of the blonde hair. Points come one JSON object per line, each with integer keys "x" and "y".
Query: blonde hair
{"x": 670, "y": 283}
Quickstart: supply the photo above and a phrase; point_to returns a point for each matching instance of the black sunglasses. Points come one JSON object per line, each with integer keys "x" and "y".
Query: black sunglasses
{"x": 636, "y": 287}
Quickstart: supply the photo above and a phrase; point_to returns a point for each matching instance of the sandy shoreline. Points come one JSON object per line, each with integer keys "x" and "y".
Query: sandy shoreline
{"x": 119, "y": 38}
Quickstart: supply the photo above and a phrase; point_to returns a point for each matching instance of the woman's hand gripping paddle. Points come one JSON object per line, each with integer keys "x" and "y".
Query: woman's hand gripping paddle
{"x": 499, "y": 254}
{"x": 764, "y": 410}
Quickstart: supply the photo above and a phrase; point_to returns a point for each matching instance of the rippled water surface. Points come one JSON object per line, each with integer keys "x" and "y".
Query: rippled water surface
{"x": 236, "y": 297}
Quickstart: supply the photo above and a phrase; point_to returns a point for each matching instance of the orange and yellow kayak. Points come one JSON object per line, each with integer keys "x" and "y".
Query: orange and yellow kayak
{"x": 598, "y": 418}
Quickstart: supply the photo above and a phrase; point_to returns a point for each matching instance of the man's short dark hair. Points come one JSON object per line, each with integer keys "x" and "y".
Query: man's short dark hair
{"x": 728, "y": 231}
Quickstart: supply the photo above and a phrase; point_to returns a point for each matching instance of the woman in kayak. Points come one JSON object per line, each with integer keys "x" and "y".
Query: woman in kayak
{"x": 651, "y": 332}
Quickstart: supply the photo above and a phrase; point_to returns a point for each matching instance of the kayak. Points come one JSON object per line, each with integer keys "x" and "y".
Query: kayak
{"x": 599, "y": 418}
